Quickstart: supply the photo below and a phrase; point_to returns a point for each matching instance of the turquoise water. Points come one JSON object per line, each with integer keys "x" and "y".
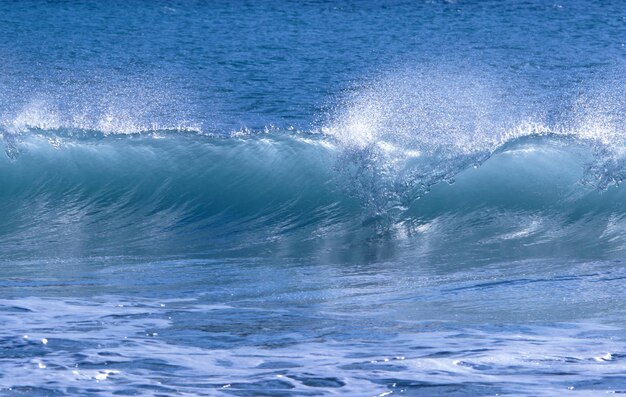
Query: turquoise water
{"x": 305, "y": 199}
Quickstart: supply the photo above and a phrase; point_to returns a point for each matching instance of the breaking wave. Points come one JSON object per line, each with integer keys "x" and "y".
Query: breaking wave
{"x": 402, "y": 159}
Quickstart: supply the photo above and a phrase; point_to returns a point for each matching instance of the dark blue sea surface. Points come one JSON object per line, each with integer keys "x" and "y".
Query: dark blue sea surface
{"x": 312, "y": 198}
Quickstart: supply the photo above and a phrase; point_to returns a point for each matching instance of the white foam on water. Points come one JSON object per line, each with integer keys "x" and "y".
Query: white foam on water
{"x": 103, "y": 347}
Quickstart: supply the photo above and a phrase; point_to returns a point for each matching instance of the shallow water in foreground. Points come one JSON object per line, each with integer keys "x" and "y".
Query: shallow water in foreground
{"x": 284, "y": 328}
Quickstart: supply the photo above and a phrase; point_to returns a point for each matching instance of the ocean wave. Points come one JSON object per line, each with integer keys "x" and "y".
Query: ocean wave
{"x": 403, "y": 157}
{"x": 86, "y": 190}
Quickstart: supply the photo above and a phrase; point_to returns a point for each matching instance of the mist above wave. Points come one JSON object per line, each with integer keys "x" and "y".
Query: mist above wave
{"x": 109, "y": 103}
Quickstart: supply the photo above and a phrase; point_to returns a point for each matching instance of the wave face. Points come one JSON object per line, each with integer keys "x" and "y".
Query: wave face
{"x": 425, "y": 162}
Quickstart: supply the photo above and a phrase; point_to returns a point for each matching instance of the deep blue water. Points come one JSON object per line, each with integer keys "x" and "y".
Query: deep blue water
{"x": 312, "y": 198}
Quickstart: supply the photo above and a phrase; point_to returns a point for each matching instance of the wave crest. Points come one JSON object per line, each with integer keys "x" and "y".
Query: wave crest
{"x": 405, "y": 132}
